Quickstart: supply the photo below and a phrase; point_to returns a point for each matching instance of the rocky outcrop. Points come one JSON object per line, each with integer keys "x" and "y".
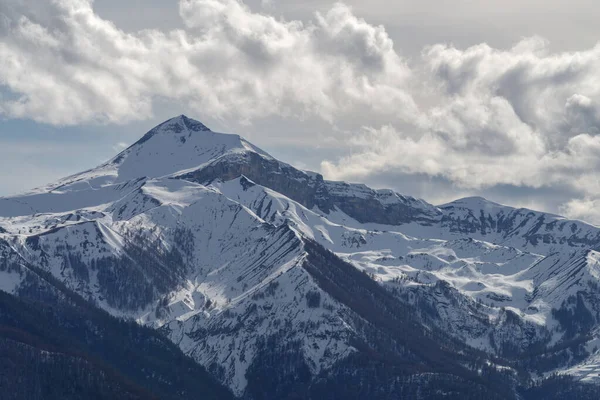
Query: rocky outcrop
{"x": 311, "y": 190}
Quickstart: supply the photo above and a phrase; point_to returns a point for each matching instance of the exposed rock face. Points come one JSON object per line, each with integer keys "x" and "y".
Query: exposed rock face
{"x": 484, "y": 219}
{"x": 311, "y": 190}
{"x": 267, "y": 172}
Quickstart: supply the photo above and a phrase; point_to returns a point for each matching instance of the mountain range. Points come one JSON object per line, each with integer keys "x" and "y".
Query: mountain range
{"x": 251, "y": 278}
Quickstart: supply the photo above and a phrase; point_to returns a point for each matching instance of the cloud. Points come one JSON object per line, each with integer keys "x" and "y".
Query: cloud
{"x": 546, "y": 91}
{"x": 586, "y": 209}
{"x": 519, "y": 117}
{"x": 66, "y": 65}
{"x": 477, "y": 118}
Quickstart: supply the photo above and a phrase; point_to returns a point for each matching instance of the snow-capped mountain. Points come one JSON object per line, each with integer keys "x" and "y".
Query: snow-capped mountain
{"x": 278, "y": 281}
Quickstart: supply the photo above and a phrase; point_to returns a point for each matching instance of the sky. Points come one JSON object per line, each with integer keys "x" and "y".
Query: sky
{"x": 435, "y": 99}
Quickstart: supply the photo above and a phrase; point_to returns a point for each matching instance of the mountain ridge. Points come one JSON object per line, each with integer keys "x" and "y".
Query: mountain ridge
{"x": 229, "y": 252}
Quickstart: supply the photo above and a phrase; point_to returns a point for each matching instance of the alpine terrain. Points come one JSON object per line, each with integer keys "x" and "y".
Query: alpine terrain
{"x": 195, "y": 265}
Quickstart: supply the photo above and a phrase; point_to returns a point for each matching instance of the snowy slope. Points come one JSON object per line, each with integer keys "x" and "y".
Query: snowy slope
{"x": 204, "y": 236}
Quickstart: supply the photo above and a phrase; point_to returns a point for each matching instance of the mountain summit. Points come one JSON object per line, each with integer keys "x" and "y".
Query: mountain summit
{"x": 175, "y": 145}
{"x": 282, "y": 283}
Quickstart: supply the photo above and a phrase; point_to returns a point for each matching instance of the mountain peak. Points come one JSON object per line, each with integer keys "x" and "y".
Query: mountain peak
{"x": 177, "y": 144}
{"x": 189, "y": 123}
{"x": 174, "y": 125}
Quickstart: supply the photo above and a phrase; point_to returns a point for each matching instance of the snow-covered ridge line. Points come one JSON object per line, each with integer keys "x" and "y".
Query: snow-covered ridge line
{"x": 203, "y": 235}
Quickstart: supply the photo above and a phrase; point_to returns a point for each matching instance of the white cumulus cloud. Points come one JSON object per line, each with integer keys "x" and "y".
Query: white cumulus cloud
{"x": 66, "y": 65}
{"x": 522, "y": 117}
